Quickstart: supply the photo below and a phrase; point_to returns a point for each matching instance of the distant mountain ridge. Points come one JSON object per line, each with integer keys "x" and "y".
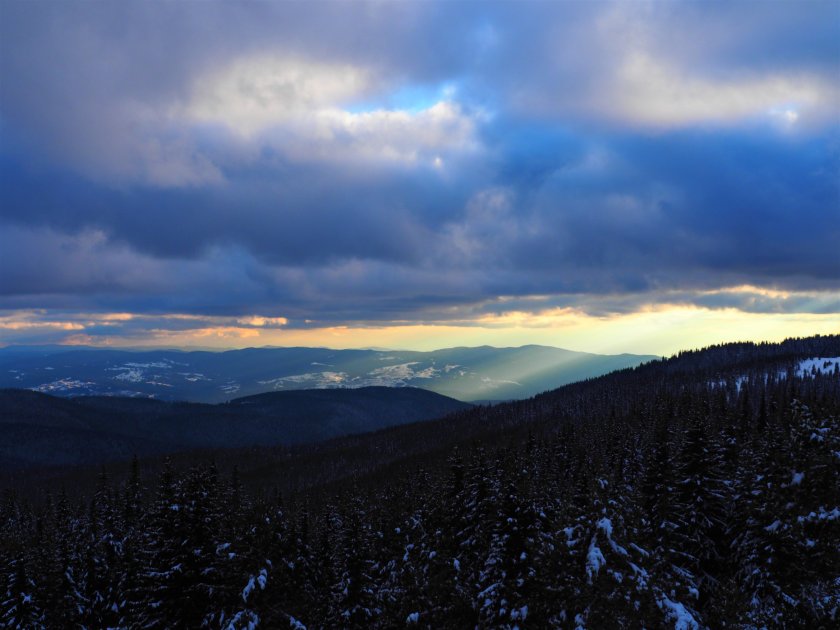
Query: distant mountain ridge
{"x": 39, "y": 429}
{"x": 464, "y": 373}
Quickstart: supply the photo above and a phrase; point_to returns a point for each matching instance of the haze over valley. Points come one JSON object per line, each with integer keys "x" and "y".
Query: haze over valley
{"x": 467, "y": 374}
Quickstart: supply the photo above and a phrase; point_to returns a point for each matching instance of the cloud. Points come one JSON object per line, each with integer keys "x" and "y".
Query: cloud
{"x": 652, "y": 65}
{"x": 487, "y": 227}
{"x": 125, "y": 94}
{"x": 46, "y": 261}
{"x": 306, "y": 111}
{"x": 650, "y": 92}
{"x": 412, "y": 138}
{"x": 626, "y": 215}
{"x": 252, "y": 94}
{"x": 277, "y": 164}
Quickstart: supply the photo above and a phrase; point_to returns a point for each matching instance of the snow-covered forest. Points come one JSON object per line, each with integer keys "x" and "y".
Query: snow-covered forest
{"x": 698, "y": 492}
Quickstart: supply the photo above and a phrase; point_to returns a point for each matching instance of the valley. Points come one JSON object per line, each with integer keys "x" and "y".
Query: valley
{"x": 468, "y": 374}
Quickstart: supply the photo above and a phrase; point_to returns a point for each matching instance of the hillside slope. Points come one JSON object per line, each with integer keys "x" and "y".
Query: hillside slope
{"x": 697, "y": 492}
{"x": 46, "y": 430}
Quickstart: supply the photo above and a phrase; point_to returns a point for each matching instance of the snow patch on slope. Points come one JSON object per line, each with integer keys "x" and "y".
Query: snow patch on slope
{"x": 676, "y": 613}
{"x": 820, "y": 365}
{"x": 192, "y": 377}
{"x": 166, "y": 364}
{"x": 131, "y": 375}
{"x": 230, "y": 387}
{"x": 594, "y": 559}
{"x": 63, "y": 385}
{"x": 398, "y": 375}
{"x": 310, "y": 380}
{"x": 401, "y": 372}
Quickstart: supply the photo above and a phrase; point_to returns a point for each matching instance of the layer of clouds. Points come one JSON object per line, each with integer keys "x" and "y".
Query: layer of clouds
{"x": 660, "y": 65}
{"x": 418, "y": 161}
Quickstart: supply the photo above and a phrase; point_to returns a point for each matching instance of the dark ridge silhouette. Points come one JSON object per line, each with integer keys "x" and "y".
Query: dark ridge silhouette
{"x": 45, "y": 430}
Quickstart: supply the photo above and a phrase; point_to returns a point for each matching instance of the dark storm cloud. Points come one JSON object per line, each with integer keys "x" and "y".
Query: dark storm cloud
{"x": 742, "y": 203}
{"x": 231, "y": 159}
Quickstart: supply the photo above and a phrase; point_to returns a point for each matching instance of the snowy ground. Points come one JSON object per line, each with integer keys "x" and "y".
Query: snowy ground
{"x": 819, "y": 364}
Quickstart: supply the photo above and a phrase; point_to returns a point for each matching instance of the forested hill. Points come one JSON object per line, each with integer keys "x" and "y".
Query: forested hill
{"x": 702, "y": 491}
{"x": 39, "y": 429}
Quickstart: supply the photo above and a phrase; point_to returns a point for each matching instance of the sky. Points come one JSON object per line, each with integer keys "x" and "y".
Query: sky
{"x": 611, "y": 177}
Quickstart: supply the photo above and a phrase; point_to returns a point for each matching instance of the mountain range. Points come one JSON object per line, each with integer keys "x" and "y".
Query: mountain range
{"x": 470, "y": 374}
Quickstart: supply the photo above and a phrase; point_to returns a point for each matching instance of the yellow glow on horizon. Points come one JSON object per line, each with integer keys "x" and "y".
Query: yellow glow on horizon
{"x": 658, "y": 331}
{"x": 659, "y": 328}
